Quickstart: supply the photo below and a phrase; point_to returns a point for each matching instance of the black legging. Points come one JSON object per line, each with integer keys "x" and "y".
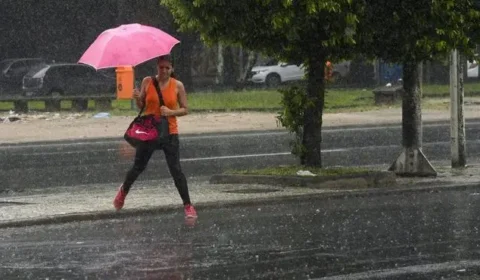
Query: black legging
{"x": 172, "y": 156}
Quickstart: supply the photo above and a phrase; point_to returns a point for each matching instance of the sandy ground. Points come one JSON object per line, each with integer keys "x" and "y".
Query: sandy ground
{"x": 55, "y": 126}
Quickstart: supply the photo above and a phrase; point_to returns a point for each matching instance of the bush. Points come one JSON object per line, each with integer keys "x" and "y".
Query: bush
{"x": 294, "y": 102}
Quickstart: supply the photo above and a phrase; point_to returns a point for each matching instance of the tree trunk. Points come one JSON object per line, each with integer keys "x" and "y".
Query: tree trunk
{"x": 220, "y": 65}
{"x": 240, "y": 63}
{"x": 463, "y": 73}
{"x": 412, "y": 161}
{"x": 252, "y": 59}
{"x": 312, "y": 128}
{"x": 457, "y": 121}
{"x": 229, "y": 67}
{"x": 478, "y": 65}
{"x": 428, "y": 73}
{"x": 246, "y": 69}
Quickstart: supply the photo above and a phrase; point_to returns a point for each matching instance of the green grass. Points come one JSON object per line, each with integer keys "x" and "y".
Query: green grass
{"x": 270, "y": 100}
{"x": 336, "y": 100}
{"x": 471, "y": 89}
{"x": 232, "y": 100}
{"x": 348, "y": 100}
{"x": 291, "y": 170}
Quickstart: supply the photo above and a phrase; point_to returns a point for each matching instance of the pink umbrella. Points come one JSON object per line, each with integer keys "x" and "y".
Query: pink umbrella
{"x": 128, "y": 45}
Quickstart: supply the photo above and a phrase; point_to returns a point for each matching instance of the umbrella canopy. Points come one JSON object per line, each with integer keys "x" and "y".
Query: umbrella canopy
{"x": 127, "y": 45}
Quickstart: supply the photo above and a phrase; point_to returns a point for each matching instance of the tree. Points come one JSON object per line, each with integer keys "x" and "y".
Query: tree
{"x": 410, "y": 32}
{"x": 301, "y": 31}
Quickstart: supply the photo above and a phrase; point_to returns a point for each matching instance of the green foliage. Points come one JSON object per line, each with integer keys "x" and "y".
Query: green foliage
{"x": 312, "y": 31}
{"x": 294, "y": 102}
{"x": 286, "y": 29}
{"x": 300, "y": 31}
{"x": 418, "y": 30}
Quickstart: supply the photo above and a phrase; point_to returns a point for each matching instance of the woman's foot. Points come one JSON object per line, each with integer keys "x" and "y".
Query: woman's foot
{"x": 119, "y": 200}
{"x": 190, "y": 211}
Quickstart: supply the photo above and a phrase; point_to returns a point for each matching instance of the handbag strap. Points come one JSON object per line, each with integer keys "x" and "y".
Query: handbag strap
{"x": 159, "y": 93}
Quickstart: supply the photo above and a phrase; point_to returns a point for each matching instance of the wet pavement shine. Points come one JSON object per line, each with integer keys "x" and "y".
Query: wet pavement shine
{"x": 432, "y": 235}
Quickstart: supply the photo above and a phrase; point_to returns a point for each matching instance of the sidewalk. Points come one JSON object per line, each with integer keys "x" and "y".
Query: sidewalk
{"x": 54, "y": 127}
{"x": 93, "y": 202}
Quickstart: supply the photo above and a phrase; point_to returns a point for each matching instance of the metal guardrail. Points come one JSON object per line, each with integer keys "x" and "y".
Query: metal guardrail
{"x": 12, "y": 98}
{"x": 79, "y": 103}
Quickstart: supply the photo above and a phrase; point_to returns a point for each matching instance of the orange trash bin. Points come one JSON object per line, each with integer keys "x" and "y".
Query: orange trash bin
{"x": 125, "y": 82}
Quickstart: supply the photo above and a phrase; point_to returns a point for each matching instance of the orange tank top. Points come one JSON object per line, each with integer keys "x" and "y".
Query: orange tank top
{"x": 152, "y": 103}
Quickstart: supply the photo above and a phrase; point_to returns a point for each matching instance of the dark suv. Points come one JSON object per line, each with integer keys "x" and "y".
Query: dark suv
{"x": 12, "y": 72}
{"x": 68, "y": 80}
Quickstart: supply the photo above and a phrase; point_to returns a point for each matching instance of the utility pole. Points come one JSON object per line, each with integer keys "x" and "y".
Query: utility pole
{"x": 457, "y": 121}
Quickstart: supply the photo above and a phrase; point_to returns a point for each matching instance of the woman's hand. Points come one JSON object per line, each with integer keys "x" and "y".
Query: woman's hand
{"x": 165, "y": 111}
{"x": 136, "y": 94}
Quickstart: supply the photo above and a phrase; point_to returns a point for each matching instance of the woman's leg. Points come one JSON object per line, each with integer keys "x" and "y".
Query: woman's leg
{"x": 172, "y": 156}
{"x": 142, "y": 156}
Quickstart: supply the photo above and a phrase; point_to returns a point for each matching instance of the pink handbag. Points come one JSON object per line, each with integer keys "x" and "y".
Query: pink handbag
{"x": 148, "y": 129}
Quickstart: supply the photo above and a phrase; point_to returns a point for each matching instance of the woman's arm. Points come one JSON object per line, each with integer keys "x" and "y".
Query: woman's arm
{"x": 140, "y": 95}
{"x": 182, "y": 101}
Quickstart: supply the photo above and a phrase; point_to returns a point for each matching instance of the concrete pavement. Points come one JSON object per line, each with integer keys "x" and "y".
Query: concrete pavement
{"x": 55, "y": 127}
{"x": 91, "y": 202}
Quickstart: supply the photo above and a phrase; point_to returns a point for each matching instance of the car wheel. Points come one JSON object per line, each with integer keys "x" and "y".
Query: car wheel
{"x": 80, "y": 105}
{"x": 54, "y": 104}
{"x": 273, "y": 80}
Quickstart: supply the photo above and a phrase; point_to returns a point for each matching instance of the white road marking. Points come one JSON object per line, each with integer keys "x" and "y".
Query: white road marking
{"x": 414, "y": 269}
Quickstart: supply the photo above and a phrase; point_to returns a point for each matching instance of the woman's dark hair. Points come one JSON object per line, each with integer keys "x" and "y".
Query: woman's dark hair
{"x": 168, "y": 58}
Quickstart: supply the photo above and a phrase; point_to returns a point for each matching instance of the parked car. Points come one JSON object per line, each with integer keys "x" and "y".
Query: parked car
{"x": 12, "y": 72}
{"x": 341, "y": 70}
{"x": 472, "y": 70}
{"x": 274, "y": 73}
{"x": 67, "y": 79}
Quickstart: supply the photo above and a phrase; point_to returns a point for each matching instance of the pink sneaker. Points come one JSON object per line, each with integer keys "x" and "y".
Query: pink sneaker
{"x": 119, "y": 200}
{"x": 190, "y": 211}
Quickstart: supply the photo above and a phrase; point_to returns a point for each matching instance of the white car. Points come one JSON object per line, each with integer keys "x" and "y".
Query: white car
{"x": 275, "y": 73}
{"x": 472, "y": 70}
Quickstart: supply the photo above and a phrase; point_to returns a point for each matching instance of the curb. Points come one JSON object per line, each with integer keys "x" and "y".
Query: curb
{"x": 120, "y": 138}
{"x": 101, "y": 215}
{"x": 361, "y": 180}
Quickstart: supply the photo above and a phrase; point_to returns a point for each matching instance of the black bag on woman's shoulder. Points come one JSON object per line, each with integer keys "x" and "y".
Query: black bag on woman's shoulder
{"x": 162, "y": 125}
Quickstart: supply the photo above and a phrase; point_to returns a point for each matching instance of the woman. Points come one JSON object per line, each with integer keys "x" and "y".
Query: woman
{"x": 175, "y": 105}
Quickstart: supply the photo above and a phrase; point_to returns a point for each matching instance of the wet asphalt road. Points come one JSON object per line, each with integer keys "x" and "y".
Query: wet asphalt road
{"x": 106, "y": 161}
{"x": 410, "y": 236}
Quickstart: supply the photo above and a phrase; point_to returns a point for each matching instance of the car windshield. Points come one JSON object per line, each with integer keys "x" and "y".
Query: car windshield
{"x": 109, "y": 72}
{"x": 38, "y": 71}
{"x": 4, "y": 64}
{"x": 271, "y": 62}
